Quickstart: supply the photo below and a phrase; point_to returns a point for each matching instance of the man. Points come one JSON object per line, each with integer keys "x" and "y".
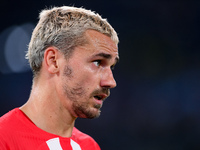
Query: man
{"x": 71, "y": 53}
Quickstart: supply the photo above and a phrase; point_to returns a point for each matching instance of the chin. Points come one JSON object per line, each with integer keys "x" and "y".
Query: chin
{"x": 90, "y": 115}
{"x": 87, "y": 112}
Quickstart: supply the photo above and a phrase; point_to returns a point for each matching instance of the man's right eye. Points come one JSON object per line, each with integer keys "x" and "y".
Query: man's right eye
{"x": 97, "y": 63}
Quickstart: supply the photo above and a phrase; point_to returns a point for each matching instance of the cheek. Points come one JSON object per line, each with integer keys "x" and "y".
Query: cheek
{"x": 81, "y": 76}
{"x": 86, "y": 75}
{"x": 67, "y": 72}
{"x": 85, "y": 82}
{"x": 78, "y": 91}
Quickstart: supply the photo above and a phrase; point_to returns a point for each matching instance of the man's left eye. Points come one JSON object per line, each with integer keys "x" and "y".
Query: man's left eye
{"x": 97, "y": 63}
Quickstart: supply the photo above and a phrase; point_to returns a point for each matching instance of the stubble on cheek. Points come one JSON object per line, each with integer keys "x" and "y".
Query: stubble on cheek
{"x": 77, "y": 94}
{"x": 75, "y": 91}
{"x": 68, "y": 72}
{"x": 79, "y": 91}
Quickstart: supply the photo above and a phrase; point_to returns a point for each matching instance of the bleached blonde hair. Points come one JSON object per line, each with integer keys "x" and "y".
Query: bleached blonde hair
{"x": 64, "y": 28}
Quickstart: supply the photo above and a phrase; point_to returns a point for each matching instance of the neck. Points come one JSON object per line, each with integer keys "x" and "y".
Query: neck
{"x": 46, "y": 111}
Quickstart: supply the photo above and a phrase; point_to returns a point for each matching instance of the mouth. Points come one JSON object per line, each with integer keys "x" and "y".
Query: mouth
{"x": 101, "y": 97}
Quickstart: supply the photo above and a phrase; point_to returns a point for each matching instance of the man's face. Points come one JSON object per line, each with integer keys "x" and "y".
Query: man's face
{"x": 87, "y": 75}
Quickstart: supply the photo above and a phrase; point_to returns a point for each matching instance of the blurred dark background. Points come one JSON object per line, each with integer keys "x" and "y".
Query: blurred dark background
{"x": 156, "y": 105}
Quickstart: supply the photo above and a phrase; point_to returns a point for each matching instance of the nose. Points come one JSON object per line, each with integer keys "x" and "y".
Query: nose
{"x": 107, "y": 79}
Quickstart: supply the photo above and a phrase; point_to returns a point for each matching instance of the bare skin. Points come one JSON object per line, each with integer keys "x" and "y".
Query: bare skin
{"x": 77, "y": 87}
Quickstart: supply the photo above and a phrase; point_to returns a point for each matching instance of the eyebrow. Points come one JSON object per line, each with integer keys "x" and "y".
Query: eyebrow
{"x": 107, "y": 56}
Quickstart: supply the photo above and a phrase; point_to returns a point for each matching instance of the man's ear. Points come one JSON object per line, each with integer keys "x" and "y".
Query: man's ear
{"x": 51, "y": 56}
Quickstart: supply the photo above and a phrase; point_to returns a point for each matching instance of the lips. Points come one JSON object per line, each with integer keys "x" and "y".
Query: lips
{"x": 101, "y": 96}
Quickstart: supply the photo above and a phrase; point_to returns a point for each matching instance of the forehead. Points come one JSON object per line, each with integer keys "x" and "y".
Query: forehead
{"x": 100, "y": 42}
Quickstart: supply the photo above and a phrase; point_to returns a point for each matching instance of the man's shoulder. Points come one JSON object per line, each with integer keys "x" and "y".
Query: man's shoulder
{"x": 78, "y": 134}
{"x": 84, "y": 139}
{"x": 7, "y": 119}
{"x": 8, "y": 123}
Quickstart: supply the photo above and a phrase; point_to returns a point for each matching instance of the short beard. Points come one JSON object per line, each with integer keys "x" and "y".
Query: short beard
{"x": 82, "y": 110}
{"x": 75, "y": 94}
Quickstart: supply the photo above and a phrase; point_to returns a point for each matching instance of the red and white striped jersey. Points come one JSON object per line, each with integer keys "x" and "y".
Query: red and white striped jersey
{"x": 18, "y": 132}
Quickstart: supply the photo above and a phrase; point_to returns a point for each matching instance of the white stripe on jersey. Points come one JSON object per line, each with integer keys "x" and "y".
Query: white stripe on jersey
{"x": 75, "y": 146}
{"x": 54, "y": 144}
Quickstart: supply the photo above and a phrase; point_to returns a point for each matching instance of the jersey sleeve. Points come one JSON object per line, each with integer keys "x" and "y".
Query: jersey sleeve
{"x": 3, "y": 144}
